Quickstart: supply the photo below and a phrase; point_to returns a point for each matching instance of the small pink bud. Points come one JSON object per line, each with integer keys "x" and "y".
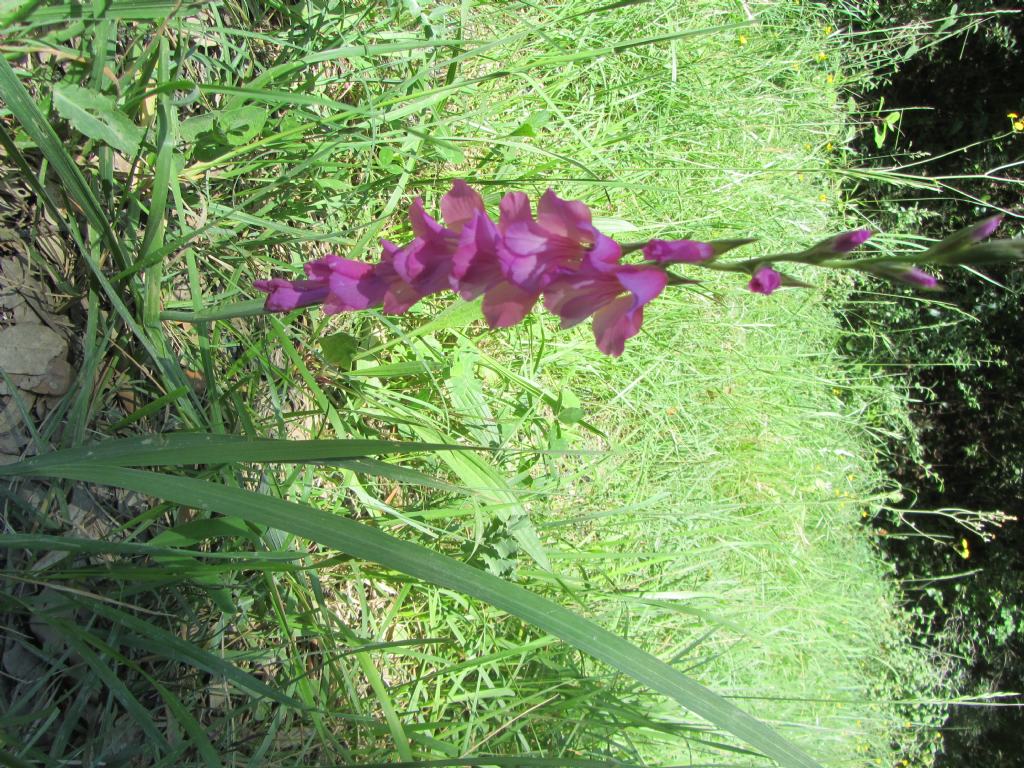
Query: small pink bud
{"x": 919, "y": 277}
{"x": 986, "y": 227}
{"x": 673, "y": 251}
{"x": 765, "y": 280}
{"x": 847, "y": 241}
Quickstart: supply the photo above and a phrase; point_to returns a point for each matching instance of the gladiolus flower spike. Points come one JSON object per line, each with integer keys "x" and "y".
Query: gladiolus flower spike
{"x": 559, "y": 257}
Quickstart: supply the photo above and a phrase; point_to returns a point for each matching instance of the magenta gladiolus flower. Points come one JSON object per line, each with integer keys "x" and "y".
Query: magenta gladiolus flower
{"x": 986, "y": 227}
{"x": 533, "y": 252}
{"x": 284, "y": 295}
{"x": 426, "y": 262}
{"x": 352, "y": 284}
{"x": 918, "y": 277}
{"x": 339, "y": 284}
{"x": 398, "y": 295}
{"x": 559, "y": 254}
{"x": 765, "y": 280}
{"x": 505, "y": 304}
{"x": 476, "y": 269}
{"x": 615, "y": 297}
{"x": 475, "y": 266}
{"x": 847, "y": 241}
{"x": 678, "y": 251}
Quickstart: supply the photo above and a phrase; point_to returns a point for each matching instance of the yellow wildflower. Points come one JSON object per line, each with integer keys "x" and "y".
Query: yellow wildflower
{"x": 821, "y": 56}
{"x": 1018, "y": 126}
{"x": 828, "y": 29}
{"x": 830, "y": 78}
{"x": 743, "y": 39}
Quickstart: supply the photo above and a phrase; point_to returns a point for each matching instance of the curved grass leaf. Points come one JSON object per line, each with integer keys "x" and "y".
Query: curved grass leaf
{"x": 188, "y": 448}
{"x": 368, "y": 543}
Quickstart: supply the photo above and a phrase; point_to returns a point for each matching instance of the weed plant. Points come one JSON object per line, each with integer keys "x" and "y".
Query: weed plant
{"x": 707, "y": 510}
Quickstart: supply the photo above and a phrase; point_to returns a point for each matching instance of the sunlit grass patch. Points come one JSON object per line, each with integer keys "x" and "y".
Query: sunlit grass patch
{"x": 711, "y": 533}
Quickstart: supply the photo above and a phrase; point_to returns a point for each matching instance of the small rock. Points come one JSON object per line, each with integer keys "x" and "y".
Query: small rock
{"x": 54, "y": 380}
{"x": 25, "y": 315}
{"x": 10, "y": 415}
{"x": 28, "y": 349}
{"x": 20, "y": 663}
{"x": 13, "y": 435}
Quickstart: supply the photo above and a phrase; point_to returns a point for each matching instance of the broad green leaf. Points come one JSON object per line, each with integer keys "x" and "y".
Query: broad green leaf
{"x": 532, "y": 125}
{"x": 570, "y": 410}
{"x": 193, "y": 127}
{"x": 242, "y": 125}
{"x": 96, "y": 116}
{"x": 490, "y": 485}
{"x": 339, "y": 349}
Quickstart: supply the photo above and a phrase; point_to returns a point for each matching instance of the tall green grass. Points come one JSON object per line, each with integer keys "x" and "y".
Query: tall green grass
{"x": 708, "y": 510}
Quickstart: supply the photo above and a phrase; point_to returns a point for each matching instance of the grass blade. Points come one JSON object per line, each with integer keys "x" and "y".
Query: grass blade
{"x": 187, "y": 448}
{"x": 374, "y": 545}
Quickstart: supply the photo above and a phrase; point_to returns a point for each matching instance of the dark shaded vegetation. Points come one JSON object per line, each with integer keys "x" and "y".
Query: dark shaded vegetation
{"x": 964, "y": 369}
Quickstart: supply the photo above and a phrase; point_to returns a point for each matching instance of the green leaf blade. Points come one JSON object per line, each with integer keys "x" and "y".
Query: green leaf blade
{"x": 95, "y": 115}
{"x": 371, "y": 544}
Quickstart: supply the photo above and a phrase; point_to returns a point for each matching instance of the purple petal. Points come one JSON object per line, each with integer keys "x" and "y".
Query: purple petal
{"x": 520, "y": 252}
{"x": 675, "y": 251}
{"x": 475, "y": 263}
{"x": 354, "y": 285}
{"x": 605, "y": 254}
{"x": 515, "y": 209}
{"x": 986, "y": 227}
{"x": 320, "y": 269}
{"x": 423, "y": 225}
{"x": 765, "y": 280}
{"x": 506, "y": 304}
{"x": 919, "y": 277}
{"x": 615, "y": 323}
{"x": 285, "y": 295}
{"x": 426, "y": 264}
{"x": 460, "y": 205}
{"x": 645, "y": 283}
{"x": 568, "y": 218}
{"x": 847, "y": 241}
{"x": 575, "y": 297}
{"x": 398, "y": 294}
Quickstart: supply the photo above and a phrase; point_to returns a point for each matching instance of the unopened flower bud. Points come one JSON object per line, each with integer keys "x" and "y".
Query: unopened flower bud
{"x": 765, "y": 280}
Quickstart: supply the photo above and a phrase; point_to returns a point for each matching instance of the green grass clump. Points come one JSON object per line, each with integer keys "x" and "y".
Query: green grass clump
{"x": 720, "y": 531}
